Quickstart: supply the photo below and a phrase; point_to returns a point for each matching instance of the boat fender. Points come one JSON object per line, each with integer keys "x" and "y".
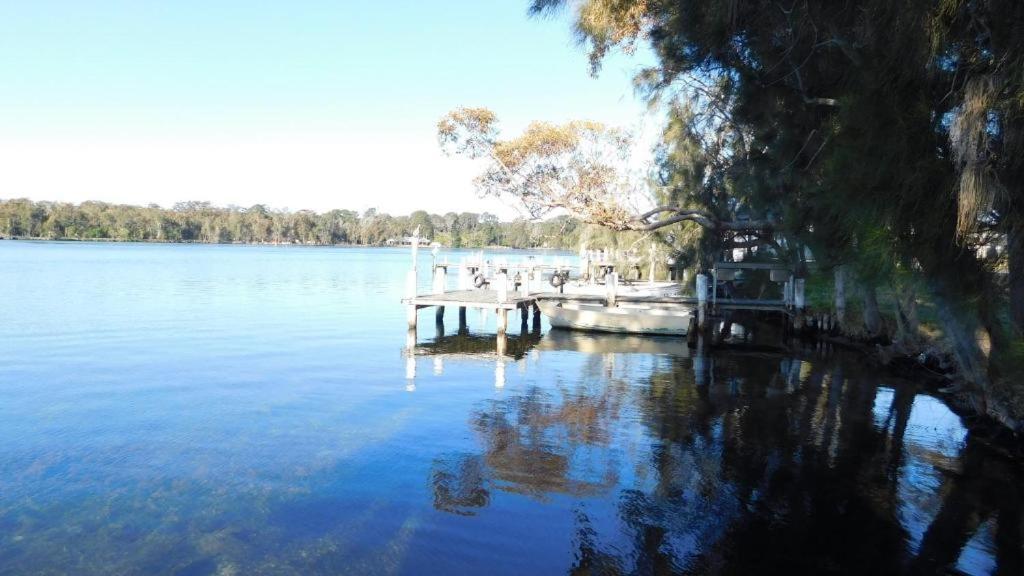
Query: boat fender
{"x": 479, "y": 280}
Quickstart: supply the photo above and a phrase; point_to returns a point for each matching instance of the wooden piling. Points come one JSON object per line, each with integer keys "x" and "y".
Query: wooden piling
{"x": 611, "y": 284}
{"x": 440, "y": 279}
{"x": 702, "y": 301}
{"x": 502, "y": 321}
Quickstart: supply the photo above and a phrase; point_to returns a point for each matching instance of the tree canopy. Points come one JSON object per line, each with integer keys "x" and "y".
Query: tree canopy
{"x": 885, "y": 136}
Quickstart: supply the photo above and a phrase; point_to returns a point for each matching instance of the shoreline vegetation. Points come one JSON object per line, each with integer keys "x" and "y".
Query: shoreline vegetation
{"x": 204, "y": 223}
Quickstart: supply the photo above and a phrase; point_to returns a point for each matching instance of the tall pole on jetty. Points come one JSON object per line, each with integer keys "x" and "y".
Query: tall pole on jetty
{"x": 702, "y": 300}
{"x": 410, "y": 279}
{"x": 650, "y": 272}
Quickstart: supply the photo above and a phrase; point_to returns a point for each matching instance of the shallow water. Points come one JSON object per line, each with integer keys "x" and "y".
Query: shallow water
{"x": 251, "y": 410}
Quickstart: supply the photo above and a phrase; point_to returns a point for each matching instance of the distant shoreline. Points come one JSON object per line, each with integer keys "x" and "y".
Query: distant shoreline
{"x": 200, "y": 242}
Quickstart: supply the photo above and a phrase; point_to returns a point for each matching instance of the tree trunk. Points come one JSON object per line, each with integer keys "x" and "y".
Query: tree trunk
{"x": 840, "y": 295}
{"x": 961, "y": 328}
{"x": 1015, "y": 259}
{"x": 872, "y": 317}
{"x": 906, "y": 314}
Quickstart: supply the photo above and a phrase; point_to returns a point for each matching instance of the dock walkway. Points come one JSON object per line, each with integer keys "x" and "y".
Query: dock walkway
{"x": 486, "y": 299}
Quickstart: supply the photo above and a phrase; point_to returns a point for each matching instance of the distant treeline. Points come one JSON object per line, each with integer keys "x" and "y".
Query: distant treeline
{"x": 203, "y": 222}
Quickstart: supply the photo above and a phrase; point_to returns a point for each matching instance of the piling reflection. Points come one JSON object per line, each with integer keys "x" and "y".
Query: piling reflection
{"x": 743, "y": 463}
{"x": 515, "y": 346}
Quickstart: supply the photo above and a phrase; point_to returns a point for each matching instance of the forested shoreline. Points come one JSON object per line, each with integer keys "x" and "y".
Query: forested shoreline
{"x": 202, "y": 222}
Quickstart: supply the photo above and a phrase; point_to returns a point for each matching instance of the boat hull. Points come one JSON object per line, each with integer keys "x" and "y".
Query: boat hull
{"x": 619, "y": 320}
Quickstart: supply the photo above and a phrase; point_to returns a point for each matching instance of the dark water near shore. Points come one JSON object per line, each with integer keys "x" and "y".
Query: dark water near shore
{"x": 250, "y": 410}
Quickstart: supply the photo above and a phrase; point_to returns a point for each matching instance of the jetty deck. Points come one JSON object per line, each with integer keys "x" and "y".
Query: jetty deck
{"x": 485, "y": 299}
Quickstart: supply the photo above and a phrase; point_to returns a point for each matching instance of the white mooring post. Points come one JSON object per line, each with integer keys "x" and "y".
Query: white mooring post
{"x": 650, "y": 273}
{"x": 410, "y": 292}
{"x": 440, "y": 287}
{"x": 502, "y": 323}
{"x": 411, "y": 279}
{"x": 440, "y": 279}
{"x": 611, "y": 285}
{"x": 464, "y": 275}
{"x": 415, "y": 242}
{"x": 702, "y": 300}
{"x": 798, "y": 294}
{"x": 501, "y": 285}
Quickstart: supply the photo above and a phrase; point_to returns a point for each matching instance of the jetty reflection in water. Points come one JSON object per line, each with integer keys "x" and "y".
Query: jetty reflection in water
{"x": 677, "y": 462}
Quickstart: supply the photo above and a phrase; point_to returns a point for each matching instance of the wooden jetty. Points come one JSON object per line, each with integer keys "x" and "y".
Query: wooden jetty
{"x": 507, "y": 287}
{"x": 479, "y": 299}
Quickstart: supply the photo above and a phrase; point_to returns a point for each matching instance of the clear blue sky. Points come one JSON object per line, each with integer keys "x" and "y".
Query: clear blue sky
{"x": 294, "y": 104}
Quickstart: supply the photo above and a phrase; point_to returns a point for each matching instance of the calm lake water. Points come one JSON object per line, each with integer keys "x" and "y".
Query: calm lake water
{"x": 250, "y": 410}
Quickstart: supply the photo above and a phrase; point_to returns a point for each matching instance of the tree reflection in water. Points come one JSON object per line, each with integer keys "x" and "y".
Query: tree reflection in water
{"x": 774, "y": 465}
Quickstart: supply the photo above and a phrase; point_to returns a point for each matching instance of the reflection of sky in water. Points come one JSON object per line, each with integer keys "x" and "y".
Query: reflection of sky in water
{"x": 237, "y": 410}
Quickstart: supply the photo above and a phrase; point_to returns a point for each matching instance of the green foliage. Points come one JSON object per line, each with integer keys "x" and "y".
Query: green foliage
{"x": 202, "y": 222}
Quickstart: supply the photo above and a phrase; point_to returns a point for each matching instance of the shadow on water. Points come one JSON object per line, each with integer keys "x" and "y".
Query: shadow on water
{"x": 742, "y": 463}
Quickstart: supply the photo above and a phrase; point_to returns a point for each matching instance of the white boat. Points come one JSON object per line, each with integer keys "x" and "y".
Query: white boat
{"x": 624, "y": 319}
{"x": 596, "y": 343}
{"x": 624, "y": 289}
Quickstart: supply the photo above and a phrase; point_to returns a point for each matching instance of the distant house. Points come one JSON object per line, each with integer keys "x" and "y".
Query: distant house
{"x": 407, "y": 241}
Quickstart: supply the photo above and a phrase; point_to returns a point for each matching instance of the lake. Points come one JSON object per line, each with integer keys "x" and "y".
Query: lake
{"x": 193, "y": 409}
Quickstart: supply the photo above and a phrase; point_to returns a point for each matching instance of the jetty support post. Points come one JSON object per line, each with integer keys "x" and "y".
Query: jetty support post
{"x": 440, "y": 287}
{"x": 501, "y": 281}
{"x": 502, "y": 322}
{"x": 462, "y": 320}
{"x": 702, "y": 301}
{"x": 611, "y": 285}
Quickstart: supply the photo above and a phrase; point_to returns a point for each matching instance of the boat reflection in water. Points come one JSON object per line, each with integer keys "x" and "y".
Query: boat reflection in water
{"x": 669, "y": 461}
